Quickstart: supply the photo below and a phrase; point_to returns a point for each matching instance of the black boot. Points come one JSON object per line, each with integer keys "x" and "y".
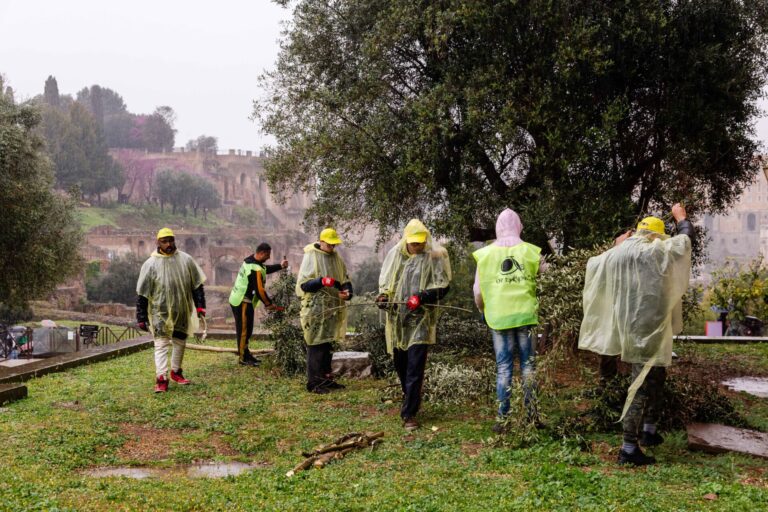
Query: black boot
{"x": 636, "y": 458}
{"x": 648, "y": 439}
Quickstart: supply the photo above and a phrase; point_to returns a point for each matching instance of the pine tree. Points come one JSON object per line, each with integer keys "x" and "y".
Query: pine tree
{"x": 51, "y": 93}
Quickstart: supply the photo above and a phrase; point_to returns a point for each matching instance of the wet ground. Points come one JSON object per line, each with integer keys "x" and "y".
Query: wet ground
{"x": 209, "y": 470}
{"x": 757, "y": 386}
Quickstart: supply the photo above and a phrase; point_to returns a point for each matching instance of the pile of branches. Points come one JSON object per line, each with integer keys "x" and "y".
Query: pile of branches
{"x": 323, "y": 455}
{"x": 686, "y": 400}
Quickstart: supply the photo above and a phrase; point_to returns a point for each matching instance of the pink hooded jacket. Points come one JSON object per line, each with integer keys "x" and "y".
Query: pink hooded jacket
{"x": 508, "y": 229}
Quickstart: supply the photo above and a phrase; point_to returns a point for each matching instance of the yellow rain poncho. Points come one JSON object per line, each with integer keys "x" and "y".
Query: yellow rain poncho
{"x": 633, "y": 298}
{"x": 323, "y": 314}
{"x": 167, "y": 282}
{"x": 403, "y": 275}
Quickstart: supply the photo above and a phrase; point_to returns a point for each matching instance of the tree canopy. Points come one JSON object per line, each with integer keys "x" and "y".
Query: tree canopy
{"x": 76, "y": 144}
{"x": 40, "y": 237}
{"x": 581, "y": 115}
{"x": 183, "y": 190}
{"x": 123, "y": 129}
{"x": 203, "y": 144}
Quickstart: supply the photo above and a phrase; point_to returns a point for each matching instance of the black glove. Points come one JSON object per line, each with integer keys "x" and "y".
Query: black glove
{"x": 382, "y": 301}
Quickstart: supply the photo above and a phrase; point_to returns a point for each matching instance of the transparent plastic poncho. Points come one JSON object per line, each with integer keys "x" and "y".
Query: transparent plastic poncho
{"x": 633, "y": 298}
{"x": 403, "y": 275}
{"x": 323, "y": 314}
{"x": 167, "y": 283}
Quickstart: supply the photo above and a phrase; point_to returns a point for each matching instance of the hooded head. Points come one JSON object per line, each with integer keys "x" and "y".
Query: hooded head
{"x": 508, "y": 228}
{"x": 416, "y": 232}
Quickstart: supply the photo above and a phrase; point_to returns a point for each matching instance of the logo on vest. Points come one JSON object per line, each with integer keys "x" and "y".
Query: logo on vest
{"x": 510, "y": 265}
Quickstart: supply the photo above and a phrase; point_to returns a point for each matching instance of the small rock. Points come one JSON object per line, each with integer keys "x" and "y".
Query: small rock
{"x": 710, "y": 496}
{"x": 353, "y": 365}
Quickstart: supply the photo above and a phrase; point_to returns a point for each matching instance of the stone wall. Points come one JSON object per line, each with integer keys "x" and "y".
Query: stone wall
{"x": 239, "y": 178}
{"x": 741, "y": 235}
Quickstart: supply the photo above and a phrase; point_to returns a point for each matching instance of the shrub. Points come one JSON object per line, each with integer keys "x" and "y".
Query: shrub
{"x": 458, "y": 383}
{"x": 286, "y": 333}
{"x": 369, "y": 337}
{"x": 560, "y": 289}
{"x": 686, "y": 399}
{"x": 463, "y": 333}
{"x": 741, "y": 290}
{"x": 117, "y": 284}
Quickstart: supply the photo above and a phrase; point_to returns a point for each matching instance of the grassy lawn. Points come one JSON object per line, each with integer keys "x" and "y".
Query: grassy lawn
{"x": 130, "y": 216}
{"x": 107, "y": 415}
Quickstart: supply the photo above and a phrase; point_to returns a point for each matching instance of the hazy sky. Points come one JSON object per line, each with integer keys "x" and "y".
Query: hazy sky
{"x": 200, "y": 58}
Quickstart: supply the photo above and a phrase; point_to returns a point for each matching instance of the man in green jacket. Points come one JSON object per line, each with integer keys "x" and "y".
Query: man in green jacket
{"x": 247, "y": 292}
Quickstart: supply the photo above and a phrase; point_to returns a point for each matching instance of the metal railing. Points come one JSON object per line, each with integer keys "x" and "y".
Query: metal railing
{"x": 103, "y": 335}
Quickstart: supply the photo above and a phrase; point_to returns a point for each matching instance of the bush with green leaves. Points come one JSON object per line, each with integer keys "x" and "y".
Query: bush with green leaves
{"x": 463, "y": 333}
{"x": 741, "y": 289}
{"x": 560, "y": 291}
{"x": 446, "y": 383}
{"x": 362, "y": 311}
{"x": 365, "y": 277}
{"x": 369, "y": 337}
{"x": 117, "y": 283}
{"x": 687, "y": 398}
{"x": 286, "y": 333}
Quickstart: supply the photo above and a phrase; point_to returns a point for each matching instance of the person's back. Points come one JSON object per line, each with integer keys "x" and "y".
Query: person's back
{"x": 632, "y": 306}
{"x": 505, "y": 292}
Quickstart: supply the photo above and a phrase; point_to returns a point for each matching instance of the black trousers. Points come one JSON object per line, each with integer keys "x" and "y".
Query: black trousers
{"x": 243, "y": 327}
{"x": 609, "y": 368}
{"x": 410, "y": 365}
{"x": 318, "y": 365}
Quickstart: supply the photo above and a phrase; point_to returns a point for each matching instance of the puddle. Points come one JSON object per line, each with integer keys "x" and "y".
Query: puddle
{"x": 757, "y": 386}
{"x": 220, "y": 470}
{"x": 137, "y": 473}
{"x": 216, "y": 470}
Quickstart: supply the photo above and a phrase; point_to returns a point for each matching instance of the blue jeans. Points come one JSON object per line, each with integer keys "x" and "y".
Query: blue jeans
{"x": 506, "y": 343}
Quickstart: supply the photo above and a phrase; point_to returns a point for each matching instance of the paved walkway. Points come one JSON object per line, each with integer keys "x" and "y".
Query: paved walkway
{"x": 63, "y": 362}
{"x": 20, "y": 370}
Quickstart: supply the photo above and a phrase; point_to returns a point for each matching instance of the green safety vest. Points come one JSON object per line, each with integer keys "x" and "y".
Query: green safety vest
{"x": 241, "y": 283}
{"x": 507, "y": 278}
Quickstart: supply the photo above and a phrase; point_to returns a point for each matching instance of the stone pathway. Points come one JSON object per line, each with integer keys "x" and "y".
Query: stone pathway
{"x": 715, "y": 438}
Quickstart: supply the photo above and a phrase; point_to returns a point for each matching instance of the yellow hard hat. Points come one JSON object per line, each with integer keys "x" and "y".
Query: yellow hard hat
{"x": 416, "y": 238}
{"x": 654, "y": 224}
{"x": 164, "y": 233}
{"x": 329, "y": 236}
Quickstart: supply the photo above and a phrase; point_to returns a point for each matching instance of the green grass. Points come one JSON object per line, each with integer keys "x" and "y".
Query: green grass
{"x": 85, "y": 417}
{"x": 92, "y": 217}
{"x": 138, "y": 217}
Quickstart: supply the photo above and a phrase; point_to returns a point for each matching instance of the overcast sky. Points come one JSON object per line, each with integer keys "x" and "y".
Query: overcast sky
{"x": 201, "y": 58}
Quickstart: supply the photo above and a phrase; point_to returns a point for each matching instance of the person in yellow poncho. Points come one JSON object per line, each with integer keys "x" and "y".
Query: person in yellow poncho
{"x": 416, "y": 273}
{"x": 170, "y": 299}
{"x": 632, "y": 306}
{"x": 324, "y": 287}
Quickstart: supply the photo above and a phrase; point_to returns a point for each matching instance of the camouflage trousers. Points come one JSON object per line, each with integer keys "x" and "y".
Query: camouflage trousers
{"x": 647, "y": 403}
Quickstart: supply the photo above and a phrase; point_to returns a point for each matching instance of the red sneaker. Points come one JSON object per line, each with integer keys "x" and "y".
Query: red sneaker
{"x": 161, "y": 385}
{"x": 178, "y": 378}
